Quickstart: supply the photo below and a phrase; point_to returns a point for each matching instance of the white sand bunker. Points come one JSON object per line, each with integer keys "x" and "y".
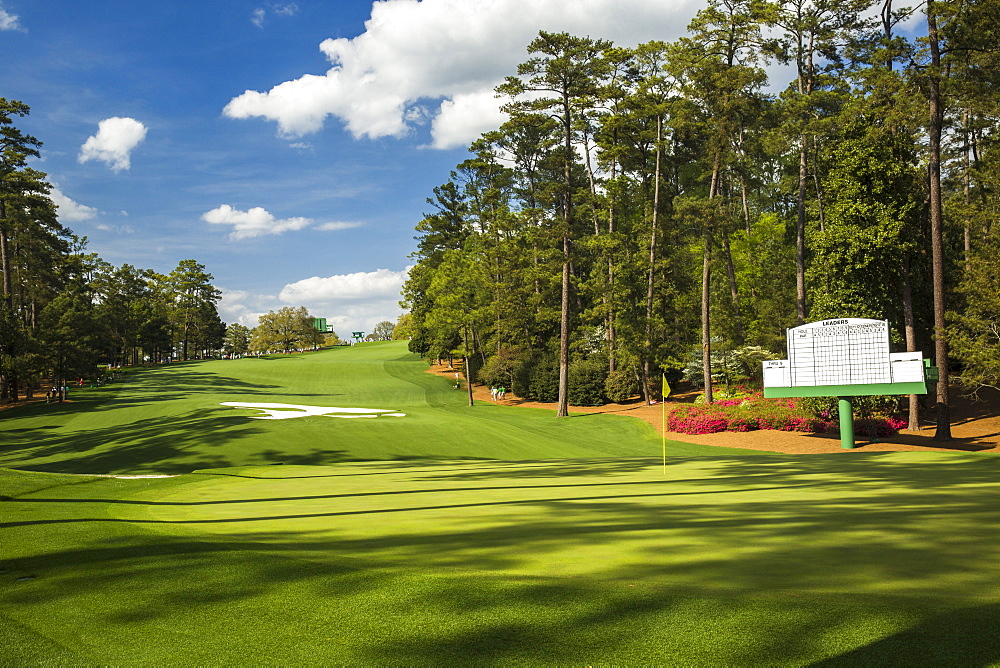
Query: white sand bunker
{"x": 287, "y": 411}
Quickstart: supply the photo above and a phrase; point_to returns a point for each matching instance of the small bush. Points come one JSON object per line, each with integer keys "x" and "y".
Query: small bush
{"x": 493, "y": 373}
{"x": 875, "y": 406}
{"x": 521, "y": 379}
{"x": 620, "y": 386}
{"x": 734, "y": 396}
{"x": 586, "y": 382}
{"x": 543, "y": 380}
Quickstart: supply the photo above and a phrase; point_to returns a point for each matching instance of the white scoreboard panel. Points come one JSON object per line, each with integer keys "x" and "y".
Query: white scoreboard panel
{"x": 847, "y": 351}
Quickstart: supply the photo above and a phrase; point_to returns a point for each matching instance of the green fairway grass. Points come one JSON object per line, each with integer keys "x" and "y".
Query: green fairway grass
{"x": 457, "y": 535}
{"x": 875, "y": 559}
{"x": 169, "y": 419}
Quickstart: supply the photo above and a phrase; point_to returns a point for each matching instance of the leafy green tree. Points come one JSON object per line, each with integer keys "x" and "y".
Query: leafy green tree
{"x": 193, "y": 299}
{"x": 155, "y": 336}
{"x": 237, "y": 341}
{"x": 69, "y": 335}
{"x": 871, "y": 215}
{"x": 812, "y": 34}
{"x": 457, "y": 297}
{"x": 286, "y": 329}
{"x": 33, "y": 250}
{"x": 383, "y": 331}
{"x": 974, "y": 334}
{"x": 124, "y": 297}
{"x": 403, "y": 329}
{"x": 17, "y": 181}
{"x": 563, "y": 73}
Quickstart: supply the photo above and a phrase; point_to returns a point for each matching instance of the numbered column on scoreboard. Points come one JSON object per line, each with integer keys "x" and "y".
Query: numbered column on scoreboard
{"x": 839, "y": 352}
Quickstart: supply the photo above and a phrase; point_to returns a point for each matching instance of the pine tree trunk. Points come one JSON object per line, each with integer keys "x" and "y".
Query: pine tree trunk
{"x": 910, "y": 334}
{"x": 612, "y": 342}
{"x": 706, "y": 285}
{"x": 651, "y": 276}
{"x": 563, "y": 410}
{"x": 800, "y": 237}
{"x": 8, "y": 384}
{"x": 467, "y": 364}
{"x": 8, "y": 289}
{"x": 966, "y": 186}
{"x": 706, "y": 322}
{"x": 936, "y": 109}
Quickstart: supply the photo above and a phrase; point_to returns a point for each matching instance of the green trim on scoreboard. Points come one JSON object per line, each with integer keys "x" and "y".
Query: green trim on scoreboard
{"x": 844, "y": 390}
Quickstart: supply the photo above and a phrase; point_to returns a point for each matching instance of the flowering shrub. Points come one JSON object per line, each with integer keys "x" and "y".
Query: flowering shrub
{"x": 754, "y": 412}
{"x": 879, "y": 427}
{"x": 729, "y": 402}
{"x": 697, "y": 420}
{"x": 897, "y": 423}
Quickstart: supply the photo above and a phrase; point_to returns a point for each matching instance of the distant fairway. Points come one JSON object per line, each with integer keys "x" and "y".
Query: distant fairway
{"x": 169, "y": 419}
{"x": 487, "y": 535}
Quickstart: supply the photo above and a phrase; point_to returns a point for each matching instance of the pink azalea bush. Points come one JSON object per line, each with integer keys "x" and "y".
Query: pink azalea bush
{"x": 752, "y": 412}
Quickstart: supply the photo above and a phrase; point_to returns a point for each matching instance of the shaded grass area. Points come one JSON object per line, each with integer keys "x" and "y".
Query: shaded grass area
{"x": 467, "y": 536}
{"x": 876, "y": 559}
{"x": 169, "y": 419}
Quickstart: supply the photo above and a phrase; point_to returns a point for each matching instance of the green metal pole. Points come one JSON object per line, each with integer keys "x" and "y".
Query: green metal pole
{"x": 846, "y": 422}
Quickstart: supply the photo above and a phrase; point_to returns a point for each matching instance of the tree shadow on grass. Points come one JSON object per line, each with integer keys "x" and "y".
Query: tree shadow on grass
{"x": 913, "y": 469}
{"x": 165, "y": 445}
{"x": 965, "y": 636}
{"x": 154, "y": 386}
{"x": 703, "y": 578}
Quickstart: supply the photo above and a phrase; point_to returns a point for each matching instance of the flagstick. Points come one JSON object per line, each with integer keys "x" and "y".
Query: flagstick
{"x": 664, "y": 392}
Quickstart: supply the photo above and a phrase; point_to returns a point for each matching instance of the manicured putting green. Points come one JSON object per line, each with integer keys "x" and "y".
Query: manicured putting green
{"x": 171, "y": 419}
{"x": 874, "y": 559}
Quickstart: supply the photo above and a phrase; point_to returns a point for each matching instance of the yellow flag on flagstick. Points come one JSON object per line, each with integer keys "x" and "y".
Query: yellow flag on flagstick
{"x": 666, "y": 387}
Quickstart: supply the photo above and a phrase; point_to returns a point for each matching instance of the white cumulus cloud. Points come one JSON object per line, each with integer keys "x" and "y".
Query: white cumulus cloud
{"x": 255, "y": 222}
{"x": 442, "y": 59}
{"x": 464, "y": 117}
{"x": 380, "y": 283}
{"x": 350, "y": 302}
{"x": 242, "y": 307}
{"x": 9, "y": 21}
{"x": 68, "y": 210}
{"x": 114, "y": 142}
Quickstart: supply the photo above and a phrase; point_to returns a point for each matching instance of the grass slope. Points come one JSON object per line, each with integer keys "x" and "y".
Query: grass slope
{"x": 874, "y": 559}
{"x": 470, "y": 536}
{"x": 169, "y": 419}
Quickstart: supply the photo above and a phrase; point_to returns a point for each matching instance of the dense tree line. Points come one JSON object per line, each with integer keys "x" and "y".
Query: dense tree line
{"x": 63, "y": 310}
{"x": 646, "y": 208}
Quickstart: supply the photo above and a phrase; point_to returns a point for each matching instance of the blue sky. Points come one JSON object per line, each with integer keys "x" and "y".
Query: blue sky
{"x": 287, "y": 146}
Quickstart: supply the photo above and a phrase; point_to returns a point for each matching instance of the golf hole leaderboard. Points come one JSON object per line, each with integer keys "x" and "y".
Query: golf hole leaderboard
{"x": 841, "y": 353}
